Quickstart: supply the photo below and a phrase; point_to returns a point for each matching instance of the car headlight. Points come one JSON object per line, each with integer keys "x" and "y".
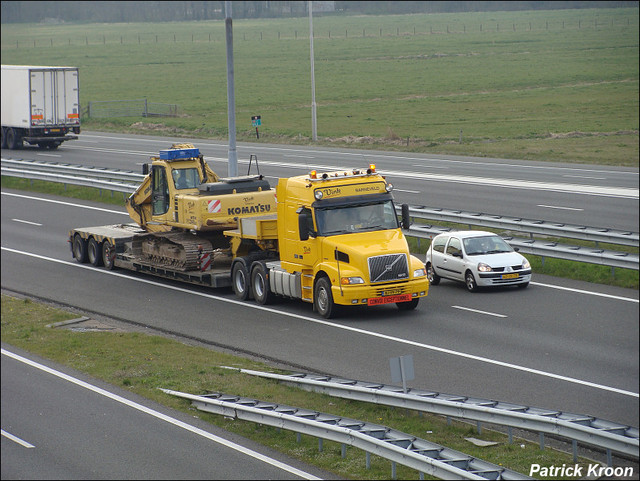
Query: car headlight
{"x": 525, "y": 264}
{"x": 482, "y": 267}
{"x": 346, "y": 281}
{"x": 419, "y": 273}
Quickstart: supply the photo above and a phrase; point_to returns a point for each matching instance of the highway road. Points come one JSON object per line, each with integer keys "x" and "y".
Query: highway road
{"x": 596, "y": 196}
{"x": 58, "y": 424}
{"x": 559, "y": 344}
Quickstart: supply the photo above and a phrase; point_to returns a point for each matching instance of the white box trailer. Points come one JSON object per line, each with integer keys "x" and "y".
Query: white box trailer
{"x": 40, "y": 105}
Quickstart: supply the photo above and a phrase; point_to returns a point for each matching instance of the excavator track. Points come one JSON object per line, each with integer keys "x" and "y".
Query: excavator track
{"x": 178, "y": 250}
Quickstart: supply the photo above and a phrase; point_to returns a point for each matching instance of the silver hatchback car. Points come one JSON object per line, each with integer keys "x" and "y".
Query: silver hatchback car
{"x": 477, "y": 258}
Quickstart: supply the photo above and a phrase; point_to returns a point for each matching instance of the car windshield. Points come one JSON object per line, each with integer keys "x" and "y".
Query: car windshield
{"x": 494, "y": 244}
{"x": 356, "y": 218}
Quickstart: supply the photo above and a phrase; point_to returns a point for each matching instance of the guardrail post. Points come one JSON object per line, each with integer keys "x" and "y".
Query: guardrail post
{"x": 393, "y": 470}
{"x": 368, "y": 457}
{"x": 609, "y": 460}
{"x": 344, "y": 451}
{"x": 479, "y": 424}
{"x": 510, "y": 431}
{"x": 319, "y": 445}
{"x": 542, "y": 441}
{"x": 298, "y": 437}
{"x": 574, "y": 445}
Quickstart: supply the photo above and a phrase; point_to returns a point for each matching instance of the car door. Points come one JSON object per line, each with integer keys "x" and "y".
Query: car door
{"x": 436, "y": 254}
{"x": 452, "y": 260}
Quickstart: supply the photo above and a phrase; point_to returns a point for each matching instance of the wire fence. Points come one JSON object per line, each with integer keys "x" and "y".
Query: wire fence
{"x": 130, "y": 108}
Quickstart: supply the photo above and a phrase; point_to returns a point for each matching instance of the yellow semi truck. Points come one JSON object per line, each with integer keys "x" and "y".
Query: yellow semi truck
{"x": 331, "y": 239}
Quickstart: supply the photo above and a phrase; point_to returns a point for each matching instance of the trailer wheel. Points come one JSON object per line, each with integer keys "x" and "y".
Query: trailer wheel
{"x": 108, "y": 255}
{"x": 240, "y": 280}
{"x": 94, "y": 252}
{"x": 323, "y": 299}
{"x": 80, "y": 249}
{"x": 14, "y": 141}
{"x": 4, "y": 138}
{"x": 260, "y": 284}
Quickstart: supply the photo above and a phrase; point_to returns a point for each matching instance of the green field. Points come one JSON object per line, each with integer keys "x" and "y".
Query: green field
{"x": 556, "y": 85}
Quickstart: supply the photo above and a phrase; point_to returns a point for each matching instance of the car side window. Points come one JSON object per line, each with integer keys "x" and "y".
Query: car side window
{"x": 454, "y": 247}
{"x": 439, "y": 243}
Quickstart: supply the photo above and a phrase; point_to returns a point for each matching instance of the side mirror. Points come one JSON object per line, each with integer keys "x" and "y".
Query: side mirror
{"x": 145, "y": 169}
{"x": 303, "y": 226}
{"x": 406, "y": 219}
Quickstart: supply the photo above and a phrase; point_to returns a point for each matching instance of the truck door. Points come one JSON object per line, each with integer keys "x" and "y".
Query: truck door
{"x": 159, "y": 190}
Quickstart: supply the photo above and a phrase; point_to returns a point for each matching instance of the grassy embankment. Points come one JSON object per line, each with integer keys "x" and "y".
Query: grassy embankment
{"x": 557, "y": 85}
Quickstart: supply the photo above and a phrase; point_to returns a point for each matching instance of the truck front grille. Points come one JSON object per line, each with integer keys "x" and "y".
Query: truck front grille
{"x": 389, "y": 267}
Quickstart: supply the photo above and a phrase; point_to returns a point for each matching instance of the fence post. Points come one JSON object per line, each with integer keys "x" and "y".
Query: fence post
{"x": 146, "y": 111}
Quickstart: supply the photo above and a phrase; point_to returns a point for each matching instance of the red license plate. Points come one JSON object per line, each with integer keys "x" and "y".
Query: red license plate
{"x": 376, "y": 301}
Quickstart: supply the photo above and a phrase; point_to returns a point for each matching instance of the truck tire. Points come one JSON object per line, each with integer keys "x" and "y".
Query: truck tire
{"x": 4, "y": 138}
{"x": 108, "y": 255}
{"x": 240, "y": 280}
{"x": 408, "y": 306}
{"x": 260, "y": 284}
{"x": 323, "y": 299}
{"x": 80, "y": 249}
{"x": 14, "y": 141}
{"x": 94, "y": 252}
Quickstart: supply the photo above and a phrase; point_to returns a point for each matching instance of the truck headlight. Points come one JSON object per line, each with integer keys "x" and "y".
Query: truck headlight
{"x": 419, "y": 273}
{"x": 346, "y": 281}
{"x": 482, "y": 267}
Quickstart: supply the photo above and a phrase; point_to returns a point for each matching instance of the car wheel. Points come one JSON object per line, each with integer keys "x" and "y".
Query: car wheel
{"x": 470, "y": 281}
{"x": 434, "y": 279}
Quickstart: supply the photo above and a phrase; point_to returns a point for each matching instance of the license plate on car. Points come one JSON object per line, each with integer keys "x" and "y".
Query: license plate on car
{"x": 510, "y": 276}
{"x": 376, "y": 301}
{"x": 54, "y": 130}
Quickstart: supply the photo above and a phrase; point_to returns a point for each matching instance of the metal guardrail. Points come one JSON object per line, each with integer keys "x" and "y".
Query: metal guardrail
{"x": 396, "y": 446}
{"x": 118, "y": 180}
{"x": 613, "y": 437}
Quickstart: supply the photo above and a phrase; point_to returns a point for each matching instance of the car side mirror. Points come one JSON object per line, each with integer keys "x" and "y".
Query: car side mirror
{"x": 457, "y": 254}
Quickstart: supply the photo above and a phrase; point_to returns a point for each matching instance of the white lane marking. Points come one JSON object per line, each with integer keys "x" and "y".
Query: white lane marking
{"x": 16, "y": 439}
{"x": 71, "y": 204}
{"x": 26, "y": 222}
{"x": 558, "y": 207}
{"x": 479, "y": 312}
{"x": 407, "y": 191}
{"x": 338, "y": 326}
{"x": 590, "y": 293}
{"x": 584, "y": 177}
{"x": 162, "y": 417}
{"x": 48, "y": 155}
{"x": 427, "y": 166}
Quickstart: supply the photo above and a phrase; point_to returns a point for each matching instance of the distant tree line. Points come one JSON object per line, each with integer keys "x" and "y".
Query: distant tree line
{"x": 159, "y": 11}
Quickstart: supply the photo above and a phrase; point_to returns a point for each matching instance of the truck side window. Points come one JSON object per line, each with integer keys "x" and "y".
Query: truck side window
{"x": 160, "y": 191}
{"x": 307, "y": 211}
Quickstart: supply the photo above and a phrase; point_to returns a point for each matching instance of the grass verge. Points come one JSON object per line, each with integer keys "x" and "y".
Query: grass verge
{"x": 142, "y": 363}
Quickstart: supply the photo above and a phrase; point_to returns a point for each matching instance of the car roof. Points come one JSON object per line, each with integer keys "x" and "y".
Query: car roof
{"x": 465, "y": 234}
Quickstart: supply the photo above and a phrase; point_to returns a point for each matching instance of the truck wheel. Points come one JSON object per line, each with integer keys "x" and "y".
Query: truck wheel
{"x": 108, "y": 255}
{"x": 260, "y": 284}
{"x": 14, "y": 141}
{"x": 323, "y": 299}
{"x": 80, "y": 249}
{"x": 4, "y": 138}
{"x": 240, "y": 280}
{"x": 408, "y": 306}
{"x": 94, "y": 252}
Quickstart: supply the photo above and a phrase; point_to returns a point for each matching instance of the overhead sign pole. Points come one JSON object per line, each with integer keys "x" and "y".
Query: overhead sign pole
{"x": 314, "y": 128}
{"x": 231, "y": 98}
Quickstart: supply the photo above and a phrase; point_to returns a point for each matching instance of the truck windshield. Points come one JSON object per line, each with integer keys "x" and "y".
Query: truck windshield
{"x": 185, "y": 178}
{"x": 356, "y": 218}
